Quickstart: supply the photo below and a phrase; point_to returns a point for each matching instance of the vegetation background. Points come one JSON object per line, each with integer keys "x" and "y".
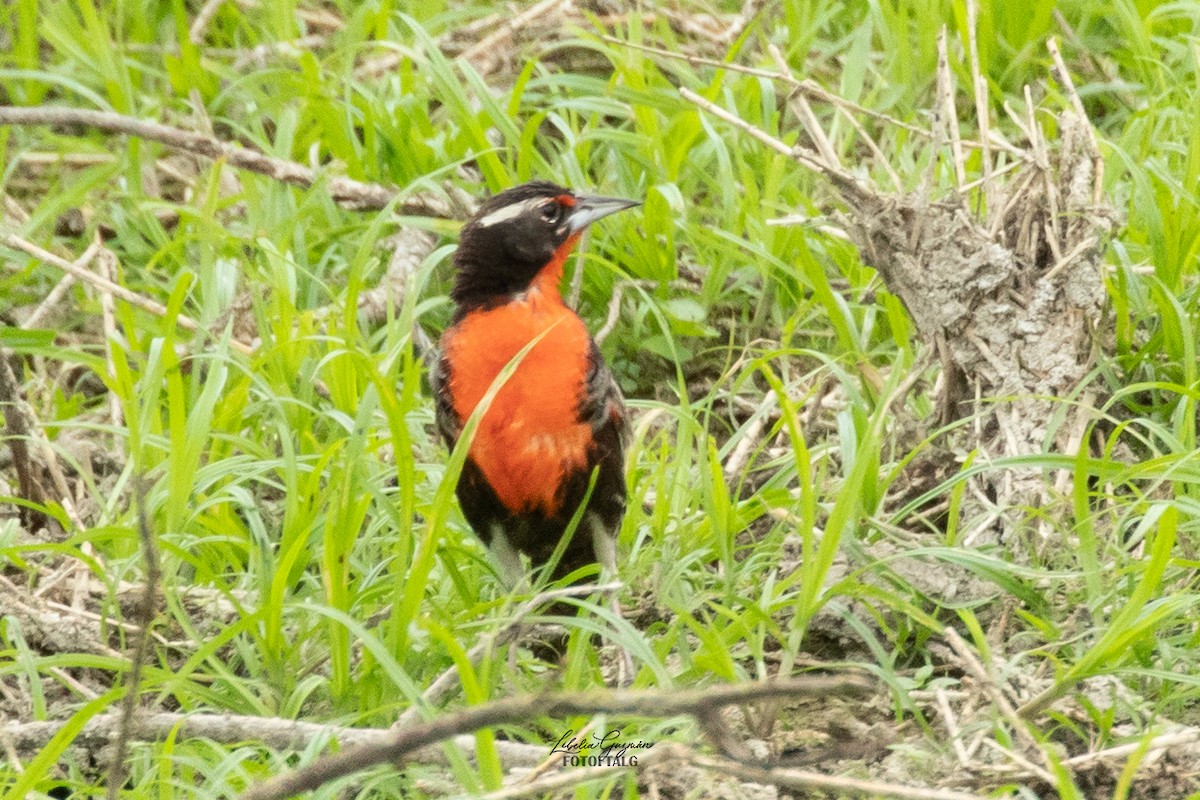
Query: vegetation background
{"x": 312, "y": 563}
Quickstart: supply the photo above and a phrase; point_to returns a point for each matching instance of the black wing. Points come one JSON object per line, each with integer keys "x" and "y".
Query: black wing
{"x": 448, "y": 423}
{"x": 603, "y": 406}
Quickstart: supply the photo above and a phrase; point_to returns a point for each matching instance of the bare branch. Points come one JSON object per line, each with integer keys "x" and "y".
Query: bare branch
{"x": 141, "y": 648}
{"x": 348, "y": 193}
{"x": 60, "y": 289}
{"x": 133, "y": 298}
{"x": 521, "y": 709}
{"x": 811, "y": 159}
{"x": 278, "y": 734}
{"x": 980, "y": 92}
{"x": 202, "y": 18}
{"x": 486, "y": 52}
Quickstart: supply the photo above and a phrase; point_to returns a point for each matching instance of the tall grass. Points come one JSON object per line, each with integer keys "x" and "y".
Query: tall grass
{"x": 316, "y": 515}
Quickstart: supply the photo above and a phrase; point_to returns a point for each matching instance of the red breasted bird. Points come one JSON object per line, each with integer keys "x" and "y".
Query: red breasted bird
{"x": 560, "y": 416}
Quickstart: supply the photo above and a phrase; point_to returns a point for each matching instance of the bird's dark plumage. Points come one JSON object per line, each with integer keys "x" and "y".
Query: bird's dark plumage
{"x": 559, "y": 419}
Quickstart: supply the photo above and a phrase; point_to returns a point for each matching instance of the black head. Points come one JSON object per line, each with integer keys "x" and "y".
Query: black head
{"x": 516, "y": 234}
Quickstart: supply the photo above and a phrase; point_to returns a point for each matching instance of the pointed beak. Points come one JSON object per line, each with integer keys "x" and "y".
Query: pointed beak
{"x": 589, "y": 209}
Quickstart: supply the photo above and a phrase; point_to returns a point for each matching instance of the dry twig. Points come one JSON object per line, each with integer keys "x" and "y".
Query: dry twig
{"x": 105, "y": 285}
{"x": 279, "y": 734}
{"x": 60, "y": 289}
{"x": 348, "y": 193}
{"x": 141, "y": 648}
{"x": 520, "y": 709}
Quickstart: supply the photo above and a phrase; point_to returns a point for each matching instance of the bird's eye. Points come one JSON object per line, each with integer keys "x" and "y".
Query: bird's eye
{"x": 552, "y": 212}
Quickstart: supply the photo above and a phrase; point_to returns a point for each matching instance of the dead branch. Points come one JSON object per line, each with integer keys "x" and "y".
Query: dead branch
{"x": 750, "y": 438}
{"x": 278, "y": 734}
{"x": 61, "y": 288}
{"x": 522, "y": 709}
{"x": 487, "y": 53}
{"x": 141, "y": 648}
{"x": 978, "y": 671}
{"x": 202, "y": 18}
{"x": 346, "y": 192}
{"x": 410, "y": 247}
{"x": 108, "y": 270}
{"x": 105, "y": 285}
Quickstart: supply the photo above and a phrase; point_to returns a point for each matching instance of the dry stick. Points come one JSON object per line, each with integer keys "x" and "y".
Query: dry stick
{"x": 488, "y": 47}
{"x": 979, "y": 89}
{"x": 1009, "y": 167}
{"x": 52, "y": 298}
{"x": 806, "y": 157}
{"x": 349, "y": 193}
{"x": 1075, "y": 102}
{"x": 614, "y": 312}
{"x": 273, "y": 732}
{"x": 203, "y": 17}
{"x": 943, "y": 706}
{"x": 10, "y": 750}
{"x": 107, "y": 266}
{"x": 741, "y": 453}
{"x": 1064, "y": 78}
{"x": 1085, "y": 244}
{"x": 804, "y": 111}
{"x": 804, "y": 779}
{"x": 806, "y": 116}
{"x": 19, "y": 434}
{"x": 741, "y": 20}
{"x": 410, "y": 247}
{"x": 944, "y": 105}
{"x": 144, "y": 617}
{"x": 60, "y": 289}
{"x": 260, "y": 54}
{"x": 522, "y": 709}
{"x": 1021, "y": 761}
{"x": 1156, "y": 744}
{"x": 980, "y": 673}
{"x": 105, "y": 285}
{"x": 942, "y": 115}
{"x": 1106, "y": 68}
{"x": 128, "y": 296}
{"x": 1042, "y": 157}
{"x": 809, "y": 87}
{"x": 25, "y": 429}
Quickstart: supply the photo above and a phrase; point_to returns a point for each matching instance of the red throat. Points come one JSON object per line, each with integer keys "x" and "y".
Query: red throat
{"x": 550, "y": 276}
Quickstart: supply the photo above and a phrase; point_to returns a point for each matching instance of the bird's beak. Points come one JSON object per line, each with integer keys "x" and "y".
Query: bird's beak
{"x": 589, "y": 209}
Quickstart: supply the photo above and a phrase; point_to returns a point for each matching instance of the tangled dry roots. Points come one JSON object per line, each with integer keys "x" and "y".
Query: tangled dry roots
{"x": 1001, "y": 274}
{"x": 1009, "y": 299}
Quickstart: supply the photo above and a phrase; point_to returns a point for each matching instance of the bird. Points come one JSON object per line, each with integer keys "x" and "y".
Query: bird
{"x": 556, "y": 430}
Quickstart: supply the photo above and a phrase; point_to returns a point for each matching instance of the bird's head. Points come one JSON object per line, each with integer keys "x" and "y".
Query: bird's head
{"x": 522, "y": 234}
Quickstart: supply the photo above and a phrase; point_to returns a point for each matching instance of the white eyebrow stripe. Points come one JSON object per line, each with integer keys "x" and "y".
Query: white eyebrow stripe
{"x": 504, "y": 213}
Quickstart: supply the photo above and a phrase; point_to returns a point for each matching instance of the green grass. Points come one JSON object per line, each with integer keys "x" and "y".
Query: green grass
{"x": 310, "y": 512}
